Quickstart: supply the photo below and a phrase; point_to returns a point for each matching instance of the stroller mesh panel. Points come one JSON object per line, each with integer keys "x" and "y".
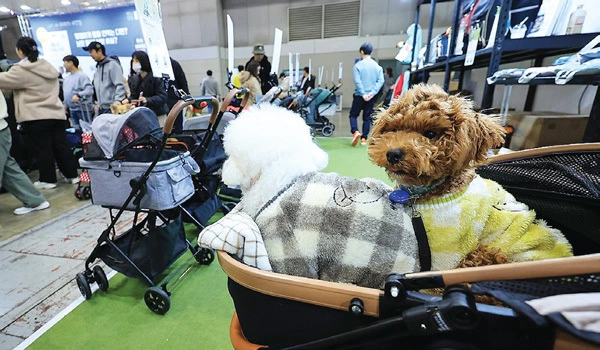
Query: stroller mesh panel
{"x": 563, "y": 189}
{"x": 543, "y": 287}
{"x": 567, "y": 174}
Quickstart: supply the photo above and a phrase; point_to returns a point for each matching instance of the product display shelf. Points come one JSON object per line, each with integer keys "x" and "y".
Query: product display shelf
{"x": 592, "y": 130}
{"x": 505, "y": 51}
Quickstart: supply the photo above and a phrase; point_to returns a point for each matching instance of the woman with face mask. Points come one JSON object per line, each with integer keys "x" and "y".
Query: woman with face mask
{"x": 147, "y": 90}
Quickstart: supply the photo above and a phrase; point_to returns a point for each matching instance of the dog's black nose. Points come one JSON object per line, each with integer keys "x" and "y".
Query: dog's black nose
{"x": 394, "y": 155}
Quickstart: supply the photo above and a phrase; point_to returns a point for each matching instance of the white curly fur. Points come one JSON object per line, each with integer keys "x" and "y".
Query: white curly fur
{"x": 265, "y": 154}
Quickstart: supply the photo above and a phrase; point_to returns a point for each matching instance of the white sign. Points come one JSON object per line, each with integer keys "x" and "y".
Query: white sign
{"x": 156, "y": 45}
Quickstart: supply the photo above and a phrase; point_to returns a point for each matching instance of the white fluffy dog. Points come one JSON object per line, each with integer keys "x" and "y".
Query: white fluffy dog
{"x": 316, "y": 225}
{"x": 267, "y": 148}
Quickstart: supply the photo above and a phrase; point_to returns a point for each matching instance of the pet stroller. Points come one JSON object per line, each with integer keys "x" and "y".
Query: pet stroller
{"x": 317, "y": 106}
{"x": 130, "y": 169}
{"x": 202, "y": 138}
{"x": 74, "y": 133}
{"x": 561, "y": 183}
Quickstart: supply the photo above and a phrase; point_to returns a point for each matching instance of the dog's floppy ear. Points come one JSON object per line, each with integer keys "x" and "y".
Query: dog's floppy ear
{"x": 486, "y": 133}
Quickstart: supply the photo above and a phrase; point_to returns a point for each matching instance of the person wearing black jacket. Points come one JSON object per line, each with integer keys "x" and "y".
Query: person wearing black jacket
{"x": 180, "y": 82}
{"x": 148, "y": 90}
{"x": 266, "y": 82}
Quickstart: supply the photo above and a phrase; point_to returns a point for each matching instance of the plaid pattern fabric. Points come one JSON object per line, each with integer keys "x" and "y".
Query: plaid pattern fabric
{"x": 339, "y": 229}
{"x": 86, "y": 138}
{"x": 84, "y": 177}
{"x": 127, "y": 135}
{"x": 237, "y": 234}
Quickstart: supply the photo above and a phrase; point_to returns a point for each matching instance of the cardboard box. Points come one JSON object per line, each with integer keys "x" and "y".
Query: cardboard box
{"x": 540, "y": 129}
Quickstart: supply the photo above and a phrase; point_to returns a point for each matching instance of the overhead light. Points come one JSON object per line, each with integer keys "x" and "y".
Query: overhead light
{"x": 65, "y": 2}
{"x": 4, "y": 9}
{"x": 25, "y": 8}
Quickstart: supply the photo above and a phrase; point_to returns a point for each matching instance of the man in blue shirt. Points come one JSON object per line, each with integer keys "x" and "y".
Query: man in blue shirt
{"x": 368, "y": 79}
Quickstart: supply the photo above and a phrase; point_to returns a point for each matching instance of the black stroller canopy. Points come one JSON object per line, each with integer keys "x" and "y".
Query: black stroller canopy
{"x": 112, "y": 132}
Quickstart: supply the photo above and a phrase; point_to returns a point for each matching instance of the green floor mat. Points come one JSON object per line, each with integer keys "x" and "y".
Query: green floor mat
{"x": 201, "y": 308}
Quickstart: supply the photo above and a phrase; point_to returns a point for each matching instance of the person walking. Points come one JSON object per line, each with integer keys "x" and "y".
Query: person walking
{"x": 209, "y": 87}
{"x": 12, "y": 178}
{"x": 38, "y": 109}
{"x": 78, "y": 93}
{"x": 368, "y": 79}
{"x": 148, "y": 90}
{"x": 108, "y": 78}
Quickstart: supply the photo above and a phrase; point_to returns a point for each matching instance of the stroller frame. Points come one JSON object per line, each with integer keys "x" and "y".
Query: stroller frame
{"x": 157, "y": 295}
{"x": 322, "y": 123}
{"x": 348, "y": 316}
{"x": 226, "y": 196}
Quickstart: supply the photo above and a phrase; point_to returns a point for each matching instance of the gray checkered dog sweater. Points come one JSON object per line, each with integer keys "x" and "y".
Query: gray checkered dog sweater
{"x": 339, "y": 229}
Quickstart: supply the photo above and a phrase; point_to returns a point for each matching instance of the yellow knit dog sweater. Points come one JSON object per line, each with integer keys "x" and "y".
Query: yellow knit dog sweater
{"x": 484, "y": 213}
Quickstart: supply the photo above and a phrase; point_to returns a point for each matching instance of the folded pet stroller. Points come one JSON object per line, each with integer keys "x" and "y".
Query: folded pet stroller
{"x": 537, "y": 305}
{"x": 130, "y": 169}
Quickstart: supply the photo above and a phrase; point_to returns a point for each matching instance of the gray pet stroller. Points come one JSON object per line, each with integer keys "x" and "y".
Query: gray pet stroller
{"x": 130, "y": 169}
{"x": 561, "y": 183}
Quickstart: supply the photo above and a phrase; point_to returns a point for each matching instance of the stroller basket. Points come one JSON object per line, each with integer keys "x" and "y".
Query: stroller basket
{"x": 168, "y": 185}
{"x": 151, "y": 248}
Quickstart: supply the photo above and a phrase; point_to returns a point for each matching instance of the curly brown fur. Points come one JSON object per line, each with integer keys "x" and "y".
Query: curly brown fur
{"x": 428, "y": 137}
{"x": 484, "y": 255}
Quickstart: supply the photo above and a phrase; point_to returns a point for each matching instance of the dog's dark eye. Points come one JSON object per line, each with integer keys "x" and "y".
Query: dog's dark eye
{"x": 394, "y": 130}
{"x": 429, "y": 134}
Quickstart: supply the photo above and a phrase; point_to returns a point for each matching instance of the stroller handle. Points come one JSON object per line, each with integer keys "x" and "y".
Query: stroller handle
{"x": 184, "y": 102}
{"x": 230, "y": 95}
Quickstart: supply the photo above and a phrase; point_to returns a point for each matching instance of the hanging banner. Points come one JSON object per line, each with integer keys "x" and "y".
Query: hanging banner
{"x": 118, "y": 29}
{"x": 156, "y": 45}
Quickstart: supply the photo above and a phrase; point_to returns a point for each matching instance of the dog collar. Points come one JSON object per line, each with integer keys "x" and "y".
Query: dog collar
{"x": 420, "y": 190}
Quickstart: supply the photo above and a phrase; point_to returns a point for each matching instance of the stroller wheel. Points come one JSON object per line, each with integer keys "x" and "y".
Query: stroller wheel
{"x": 100, "y": 278}
{"x": 157, "y": 300}
{"x": 327, "y": 130}
{"x": 78, "y": 193}
{"x": 86, "y": 192}
{"x": 84, "y": 286}
{"x": 205, "y": 256}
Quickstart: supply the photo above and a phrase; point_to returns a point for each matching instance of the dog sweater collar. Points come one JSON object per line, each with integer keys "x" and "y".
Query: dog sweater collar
{"x": 420, "y": 190}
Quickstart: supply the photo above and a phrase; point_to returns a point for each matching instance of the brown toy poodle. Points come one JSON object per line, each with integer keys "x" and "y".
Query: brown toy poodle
{"x": 429, "y": 143}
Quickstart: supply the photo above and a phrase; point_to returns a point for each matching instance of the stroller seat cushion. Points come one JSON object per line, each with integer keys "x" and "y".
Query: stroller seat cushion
{"x": 236, "y": 233}
{"x": 339, "y": 229}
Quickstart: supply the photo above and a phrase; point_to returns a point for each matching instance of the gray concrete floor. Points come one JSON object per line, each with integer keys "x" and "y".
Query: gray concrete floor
{"x": 38, "y": 263}
{"x": 41, "y": 252}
